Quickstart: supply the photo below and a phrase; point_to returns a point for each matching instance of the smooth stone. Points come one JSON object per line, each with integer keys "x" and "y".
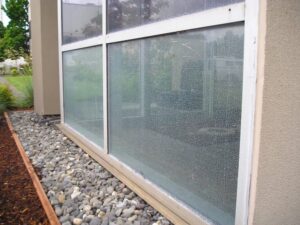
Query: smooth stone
{"x": 132, "y": 218}
{"x": 105, "y": 221}
{"x": 58, "y": 211}
{"x": 95, "y": 221}
{"x": 87, "y": 218}
{"x": 54, "y": 202}
{"x": 87, "y": 208}
{"x": 119, "y": 221}
{"x": 77, "y": 221}
{"x": 66, "y": 223}
{"x": 107, "y": 201}
{"x": 64, "y": 218}
{"x": 61, "y": 198}
{"x": 110, "y": 189}
{"x": 75, "y": 194}
{"x": 165, "y": 222}
{"x": 101, "y": 214}
{"x": 118, "y": 212}
{"x": 128, "y": 212}
{"x": 126, "y": 191}
{"x": 157, "y": 223}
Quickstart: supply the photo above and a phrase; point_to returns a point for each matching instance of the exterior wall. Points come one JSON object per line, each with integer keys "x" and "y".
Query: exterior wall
{"x": 45, "y": 56}
{"x": 274, "y": 197}
{"x": 36, "y": 51}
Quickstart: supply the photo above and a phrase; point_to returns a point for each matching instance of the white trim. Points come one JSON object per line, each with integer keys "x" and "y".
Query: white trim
{"x": 105, "y": 79}
{"x": 61, "y": 92}
{"x": 83, "y": 44}
{"x": 217, "y": 16}
{"x": 248, "y": 111}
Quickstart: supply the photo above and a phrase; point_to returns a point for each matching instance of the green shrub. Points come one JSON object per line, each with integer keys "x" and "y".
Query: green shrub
{"x": 14, "y": 71}
{"x": 6, "y": 98}
{"x": 25, "y": 70}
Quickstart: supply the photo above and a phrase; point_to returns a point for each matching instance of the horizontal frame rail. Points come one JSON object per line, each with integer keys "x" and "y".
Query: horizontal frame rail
{"x": 83, "y": 44}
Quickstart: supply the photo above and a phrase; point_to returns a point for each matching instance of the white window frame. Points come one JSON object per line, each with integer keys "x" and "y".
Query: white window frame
{"x": 246, "y": 12}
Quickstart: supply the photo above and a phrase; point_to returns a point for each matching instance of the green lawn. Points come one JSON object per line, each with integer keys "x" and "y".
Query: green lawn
{"x": 20, "y": 82}
{"x": 23, "y": 84}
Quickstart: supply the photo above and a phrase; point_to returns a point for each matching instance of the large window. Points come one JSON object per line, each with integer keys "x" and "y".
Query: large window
{"x": 156, "y": 87}
{"x": 83, "y": 95}
{"x": 176, "y": 99}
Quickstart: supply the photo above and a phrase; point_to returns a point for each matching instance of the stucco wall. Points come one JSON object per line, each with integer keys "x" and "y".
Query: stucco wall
{"x": 45, "y": 56}
{"x": 275, "y": 189}
{"x": 36, "y": 53}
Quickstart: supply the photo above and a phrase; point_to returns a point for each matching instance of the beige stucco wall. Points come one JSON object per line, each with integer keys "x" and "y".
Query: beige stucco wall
{"x": 275, "y": 189}
{"x": 45, "y": 56}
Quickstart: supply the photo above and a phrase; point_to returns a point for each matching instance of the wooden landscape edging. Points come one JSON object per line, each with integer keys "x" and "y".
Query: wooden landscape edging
{"x": 35, "y": 180}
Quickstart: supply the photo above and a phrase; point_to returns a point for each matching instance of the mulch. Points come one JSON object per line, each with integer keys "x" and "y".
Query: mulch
{"x": 19, "y": 203}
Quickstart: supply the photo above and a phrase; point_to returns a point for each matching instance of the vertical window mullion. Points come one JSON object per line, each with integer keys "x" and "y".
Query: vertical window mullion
{"x": 248, "y": 111}
{"x": 59, "y": 14}
{"x": 105, "y": 78}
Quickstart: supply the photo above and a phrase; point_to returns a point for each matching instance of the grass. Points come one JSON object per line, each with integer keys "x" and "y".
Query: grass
{"x": 19, "y": 82}
{"x": 24, "y": 85}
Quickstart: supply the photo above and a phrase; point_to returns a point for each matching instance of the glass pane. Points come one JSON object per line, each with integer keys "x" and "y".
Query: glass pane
{"x": 81, "y": 19}
{"x": 175, "y": 114}
{"x": 124, "y": 14}
{"x": 83, "y": 97}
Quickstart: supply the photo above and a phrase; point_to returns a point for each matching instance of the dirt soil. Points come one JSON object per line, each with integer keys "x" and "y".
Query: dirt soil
{"x": 19, "y": 203}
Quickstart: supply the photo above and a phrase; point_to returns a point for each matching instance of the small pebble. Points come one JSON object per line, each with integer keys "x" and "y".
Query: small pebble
{"x": 77, "y": 221}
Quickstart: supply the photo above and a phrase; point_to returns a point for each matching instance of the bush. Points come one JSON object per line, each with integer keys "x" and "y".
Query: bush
{"x": 14, "y": 71}
{"x": 25, "y": 70}
{"x": 6, "y": 98}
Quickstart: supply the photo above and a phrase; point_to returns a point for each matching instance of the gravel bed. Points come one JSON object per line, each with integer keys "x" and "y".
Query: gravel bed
{"x": 80, "y": 190}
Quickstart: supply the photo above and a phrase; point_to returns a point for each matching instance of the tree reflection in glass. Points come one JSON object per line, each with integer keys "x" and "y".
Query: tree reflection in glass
{"x": 175, "y": 114}
{"x": 124, "y": 14}
{"x": 81, "y": 19}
